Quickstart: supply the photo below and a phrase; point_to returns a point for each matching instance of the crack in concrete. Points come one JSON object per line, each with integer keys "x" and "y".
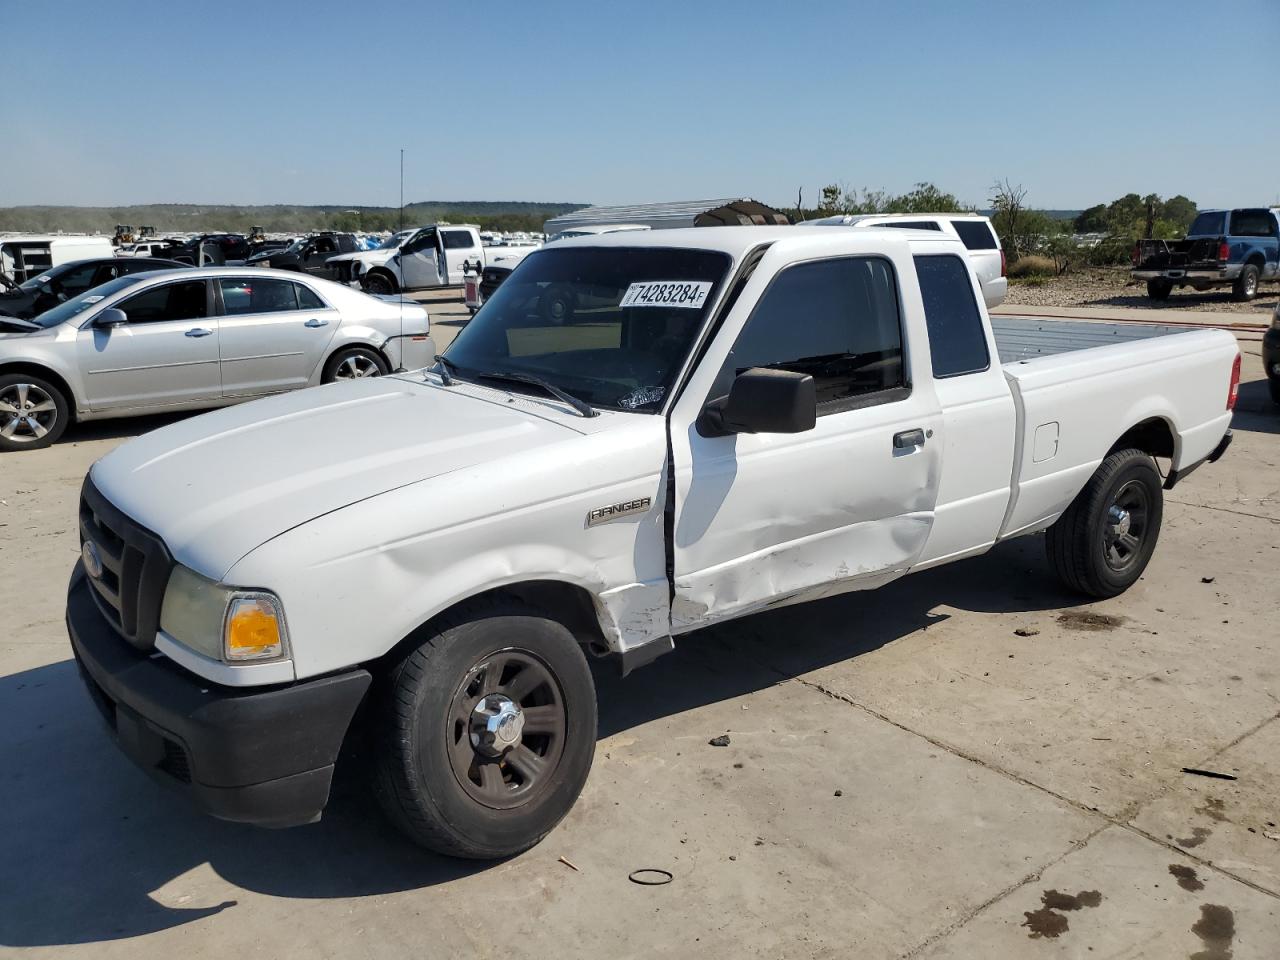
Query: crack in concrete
{"x": 1238, "y": 513}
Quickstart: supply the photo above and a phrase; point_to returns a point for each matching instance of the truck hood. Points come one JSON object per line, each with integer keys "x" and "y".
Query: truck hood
{"x": 216, "y": 486}
{"x": 373, "y": 258}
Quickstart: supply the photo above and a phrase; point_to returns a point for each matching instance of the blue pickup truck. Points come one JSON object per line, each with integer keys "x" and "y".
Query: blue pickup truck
{"x": 1236, "y": 248}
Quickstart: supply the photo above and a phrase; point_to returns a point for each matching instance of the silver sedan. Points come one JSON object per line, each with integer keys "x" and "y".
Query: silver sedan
{"x": 189, "y": 339}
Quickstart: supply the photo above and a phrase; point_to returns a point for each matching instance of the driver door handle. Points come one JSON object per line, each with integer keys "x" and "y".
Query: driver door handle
{"x": 198, "y": 332}
{"x": 908, "y": 438}
{"x": 313, "y": 323}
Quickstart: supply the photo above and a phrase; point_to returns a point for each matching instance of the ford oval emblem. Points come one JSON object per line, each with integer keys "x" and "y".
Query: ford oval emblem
{"x": 92, "y": 561}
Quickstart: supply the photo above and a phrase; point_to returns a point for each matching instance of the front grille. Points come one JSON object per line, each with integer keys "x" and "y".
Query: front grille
{"x": 175, "y": 762}
{"x": 135, "y": 568}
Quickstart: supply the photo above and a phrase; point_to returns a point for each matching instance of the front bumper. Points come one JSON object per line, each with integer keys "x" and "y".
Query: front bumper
{"x": 260, "y": 756}
{"x": 1271, "y": 353}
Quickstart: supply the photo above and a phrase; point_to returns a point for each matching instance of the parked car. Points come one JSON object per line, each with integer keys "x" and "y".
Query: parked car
{"x": 189, "y": 339}
{"x": 1236, "y": 248}
{"x": 754, "y": 416}
{"x": 25, "y": 256}
{"x": 986, "y": 254}
{"x": 69, "y": 280}
{"x": 212, "y": 249}
{"x": 1271, "y": 354}
{"x": 146, "y": 248}
{"x": 431, "y": 256}
{"x": 309, "y": 254}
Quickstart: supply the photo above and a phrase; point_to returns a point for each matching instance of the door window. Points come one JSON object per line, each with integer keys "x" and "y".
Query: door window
{"x": 957, "y": 341}
{"x": 172, "y": 301}
{"x": 324, "y": 245}
{"x": 426, "y": 240}
{"x": 458, "y": 240}
{"x": 836, "y": 320}
{"x": 243, "y": 295}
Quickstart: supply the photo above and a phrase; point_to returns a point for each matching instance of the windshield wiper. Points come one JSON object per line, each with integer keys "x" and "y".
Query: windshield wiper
{"x": 445, "y": 365}
{"x": 581, "y": 406}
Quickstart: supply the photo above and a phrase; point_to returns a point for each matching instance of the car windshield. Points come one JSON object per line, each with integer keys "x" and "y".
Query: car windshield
{"x": 611, "y": 326}
{"x": 394, "y": 240}
{"x": 77, "y": 305}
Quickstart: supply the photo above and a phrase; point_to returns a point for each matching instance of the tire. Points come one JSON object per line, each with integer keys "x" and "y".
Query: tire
{"x": 1246, "y": 286}
{"x": 355, "y": 363}
{"x": 467, "y": 799}
{"x": 558, "y": 303}
{"x": 1159, "y": 289}
{"x": 33, "y": 412}
{"x": 1103, "y": 541}
{"x": 380, "y": 282}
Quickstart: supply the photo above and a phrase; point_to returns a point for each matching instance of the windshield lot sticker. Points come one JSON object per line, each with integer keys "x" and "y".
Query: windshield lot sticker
{"x": 642, "y": 397}
{"x": 691, "y": 294}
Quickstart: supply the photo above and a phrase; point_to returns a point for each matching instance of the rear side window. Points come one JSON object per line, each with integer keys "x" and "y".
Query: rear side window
{"x": 957, "y": 341}
{"x": 975, "y": 234}
{"x": 1252, "y": 223}
{"x": 307, "y": 298}
{"x": 1209, "y": 225}
{"x": 911, "y": 225}
{"x": 836, "y": 320}
{"x": 458, "y": 240}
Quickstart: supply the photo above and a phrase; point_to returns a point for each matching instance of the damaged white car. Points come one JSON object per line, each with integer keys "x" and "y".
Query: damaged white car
{"x": 714, "y": 422}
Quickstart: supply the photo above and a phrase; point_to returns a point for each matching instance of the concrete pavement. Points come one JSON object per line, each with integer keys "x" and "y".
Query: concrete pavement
{"x": 968, "y": 763}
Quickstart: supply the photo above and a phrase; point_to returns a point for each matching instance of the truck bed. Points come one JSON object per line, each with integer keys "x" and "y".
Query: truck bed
{"x": 1025, "y": 338}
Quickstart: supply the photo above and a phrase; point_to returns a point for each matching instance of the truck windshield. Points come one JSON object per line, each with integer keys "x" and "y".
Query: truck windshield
{"x": 79, "y": 304}
{"x": 611, "y": 326}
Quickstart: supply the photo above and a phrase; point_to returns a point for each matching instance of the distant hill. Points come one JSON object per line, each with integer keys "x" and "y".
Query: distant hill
{"x": 191, "y": 217}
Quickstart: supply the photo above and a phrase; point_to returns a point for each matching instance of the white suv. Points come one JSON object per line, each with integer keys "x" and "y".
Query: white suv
{"x": 973, "y": 230}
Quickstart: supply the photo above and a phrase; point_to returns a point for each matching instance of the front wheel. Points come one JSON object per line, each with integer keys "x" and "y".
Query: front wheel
{"x": 484, "y": 732}
{"x": 1103, "y": 541}
{"x": 1159, "y": 289}
{"x": 379, "y": 284}
{"x": 1246, "y": 286}
{"x": 33, "y": 412}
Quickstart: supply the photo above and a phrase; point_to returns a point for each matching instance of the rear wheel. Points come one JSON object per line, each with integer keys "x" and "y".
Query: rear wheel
{"x": 1103, "y": 541}
{"x": 1159, "y": 289}
{"x": 485, "y": 732}
{"x": 33, "y": 412}
{"x": 1246, "y": 286}
{"x": 355, "y": 363}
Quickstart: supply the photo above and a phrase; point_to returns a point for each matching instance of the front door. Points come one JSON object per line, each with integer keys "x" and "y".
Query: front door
{"x": 274, "y": 334}
{"x": 166, "y": 353}
{"x": 420, "y": 261}
{"x": 765, "y": 518}
{"x": 316, "y": 255}
{"x": 459, "y": 247}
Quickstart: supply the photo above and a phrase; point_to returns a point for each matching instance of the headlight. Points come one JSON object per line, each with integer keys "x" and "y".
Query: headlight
{"x": 223, "y": 623}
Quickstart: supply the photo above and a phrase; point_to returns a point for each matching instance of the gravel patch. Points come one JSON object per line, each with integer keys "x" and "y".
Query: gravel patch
{"x": 1114, "y": 288}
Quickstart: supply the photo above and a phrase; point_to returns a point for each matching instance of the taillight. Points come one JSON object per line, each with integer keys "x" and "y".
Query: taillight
{"x": 1224, "y": 251}
{"x": 1234, "y": 391}
{"x": 1004, "y": 264}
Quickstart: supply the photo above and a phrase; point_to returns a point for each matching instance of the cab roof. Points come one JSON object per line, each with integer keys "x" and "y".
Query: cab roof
{"x": 737, "y": 241}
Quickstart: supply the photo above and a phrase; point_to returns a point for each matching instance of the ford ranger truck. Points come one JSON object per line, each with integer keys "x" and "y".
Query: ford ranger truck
{"x": 1223, "y": 248}
{"x": 725, "y": 421}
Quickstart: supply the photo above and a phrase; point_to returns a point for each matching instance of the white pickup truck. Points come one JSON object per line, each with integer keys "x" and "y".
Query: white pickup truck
{"x": 730, "y": 419}
{"x": 417, "y": 259}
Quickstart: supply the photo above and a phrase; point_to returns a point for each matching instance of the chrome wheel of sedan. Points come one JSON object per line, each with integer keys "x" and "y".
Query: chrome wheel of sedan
{"x": 28, "y": 413}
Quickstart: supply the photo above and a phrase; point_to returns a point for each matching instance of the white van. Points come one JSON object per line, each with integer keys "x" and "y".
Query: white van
{"x": 972, "y": 229}
{"x": 23, "y": 256}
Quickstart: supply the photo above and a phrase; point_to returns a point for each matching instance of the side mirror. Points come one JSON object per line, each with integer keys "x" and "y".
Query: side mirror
{"x": 110, "y": 317}
{"x": 763, "y": 401}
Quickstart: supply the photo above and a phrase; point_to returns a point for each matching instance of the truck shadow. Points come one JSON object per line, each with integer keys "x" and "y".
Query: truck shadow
{"x": 96, "y": 851}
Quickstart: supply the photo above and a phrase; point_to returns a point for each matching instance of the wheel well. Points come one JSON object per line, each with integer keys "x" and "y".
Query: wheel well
{"x": 570, "y": 605}
{"x": 36, "y": 370}
{"x": 1153, "y": 436}
{"x": 1256, "y": 259}
{"x": 324, "y": 367}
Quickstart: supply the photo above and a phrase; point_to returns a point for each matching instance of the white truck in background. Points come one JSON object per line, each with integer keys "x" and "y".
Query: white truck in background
{"x": 727, "y": 421}
{"x": 417, "y": 259}
{"x": 24, "y": 256}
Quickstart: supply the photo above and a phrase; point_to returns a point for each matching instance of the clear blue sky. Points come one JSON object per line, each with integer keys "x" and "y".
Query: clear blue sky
{"x": 283, "y": 102}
